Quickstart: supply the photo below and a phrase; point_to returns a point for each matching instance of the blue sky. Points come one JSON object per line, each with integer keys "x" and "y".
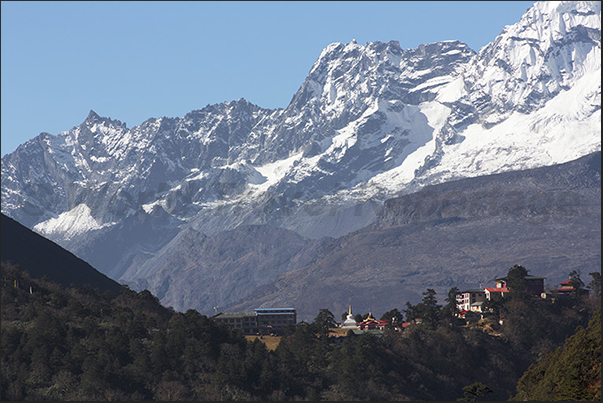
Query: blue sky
{"x": 131, "y": 61}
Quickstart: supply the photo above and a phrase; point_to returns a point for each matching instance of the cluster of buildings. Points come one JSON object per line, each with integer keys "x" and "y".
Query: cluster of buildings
{"x": 368, "y": 324}
{"x": 469, "y": 303}
{"x": 265, "y": 321}
{"x": 473, "y": 300}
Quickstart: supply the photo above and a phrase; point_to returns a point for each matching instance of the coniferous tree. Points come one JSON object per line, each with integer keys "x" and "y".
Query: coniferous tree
{"x": 595, "y": 284}
{"x": 429, "y": 310}
{"x": 517, "y": 283}
{"x": 394, "y": 317}
{"x": 128, "y": 347}
{"x": 474, "y": 391}
{"x": 451, "y": 309}
{"x": 323, "y": 321}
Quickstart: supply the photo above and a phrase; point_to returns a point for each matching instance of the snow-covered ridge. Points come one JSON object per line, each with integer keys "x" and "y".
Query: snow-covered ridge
{"x": 69, "y": 224}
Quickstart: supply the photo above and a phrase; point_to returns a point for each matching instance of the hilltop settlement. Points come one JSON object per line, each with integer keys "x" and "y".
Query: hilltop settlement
{"x": 470, "y": 305}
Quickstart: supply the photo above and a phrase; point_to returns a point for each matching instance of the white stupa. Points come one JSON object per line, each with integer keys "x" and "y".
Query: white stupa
{"x": 350, "y": 322}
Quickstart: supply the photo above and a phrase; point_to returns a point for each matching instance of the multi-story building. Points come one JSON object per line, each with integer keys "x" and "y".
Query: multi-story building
{"x": 275, "y": 319}
{"x": 262, "y": 320}
{"x": 470, "y": 300}
{"x": 535, "y": 286}
{"x": 500, "y": 289}
{"x": 245, "y": 321}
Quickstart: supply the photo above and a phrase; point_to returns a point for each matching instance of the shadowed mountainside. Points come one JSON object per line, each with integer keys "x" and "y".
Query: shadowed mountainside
{"x": 40, "y": 257}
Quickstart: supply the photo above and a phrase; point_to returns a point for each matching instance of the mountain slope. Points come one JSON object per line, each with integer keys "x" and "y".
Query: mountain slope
{"x": 369, "y": 122}
{"x": 461, "y": 234}
{"x": 200, "y": 272}
{"x": 41, "y": 257}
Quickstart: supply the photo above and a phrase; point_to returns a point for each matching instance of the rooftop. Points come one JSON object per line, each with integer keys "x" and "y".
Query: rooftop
{"x": 497, "y": 289}
{"x": 275, "y": 311}
{"x": 234, "y": 314}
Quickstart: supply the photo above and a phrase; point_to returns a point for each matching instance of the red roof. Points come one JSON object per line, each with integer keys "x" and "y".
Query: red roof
{"x": 497, "y": 289}
{"x": 373, "y": 322}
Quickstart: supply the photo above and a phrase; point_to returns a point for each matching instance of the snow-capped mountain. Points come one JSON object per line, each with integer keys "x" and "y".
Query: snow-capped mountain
{"x": 369, "y": 123}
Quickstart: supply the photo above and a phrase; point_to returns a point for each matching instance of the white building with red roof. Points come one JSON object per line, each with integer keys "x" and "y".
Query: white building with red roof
{"x": 470, "y": 300}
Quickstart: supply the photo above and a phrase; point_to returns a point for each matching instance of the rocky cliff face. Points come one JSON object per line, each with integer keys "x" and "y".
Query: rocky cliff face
{"x": 370, "y": 122}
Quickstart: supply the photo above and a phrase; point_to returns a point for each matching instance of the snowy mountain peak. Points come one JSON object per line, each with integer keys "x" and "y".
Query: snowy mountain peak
{"x": 552, "y": 23}
{"x": 552, "y": 46}
{"x": 558, "y": 17}
{"x": 347, "y": 79}
{"x": 94, "y": 119}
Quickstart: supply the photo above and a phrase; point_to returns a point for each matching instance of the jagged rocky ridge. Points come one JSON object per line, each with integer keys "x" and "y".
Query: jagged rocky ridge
{"x": 369, "y": 123}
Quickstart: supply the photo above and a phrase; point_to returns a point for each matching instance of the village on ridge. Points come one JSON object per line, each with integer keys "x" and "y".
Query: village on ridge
{"x": 469, "y": 303}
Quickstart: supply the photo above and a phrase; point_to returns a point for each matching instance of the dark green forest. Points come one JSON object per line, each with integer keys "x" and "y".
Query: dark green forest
{"x": 74, "y": 343}
{"x": 571, "y": 372}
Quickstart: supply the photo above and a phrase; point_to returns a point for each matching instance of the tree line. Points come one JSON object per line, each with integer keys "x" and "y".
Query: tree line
{"x": 72, "y": 343}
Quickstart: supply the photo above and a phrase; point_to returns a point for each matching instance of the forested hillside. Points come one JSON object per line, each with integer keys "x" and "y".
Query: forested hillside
{"x": 62, "y": 343}
{"x": 571, "y": 372}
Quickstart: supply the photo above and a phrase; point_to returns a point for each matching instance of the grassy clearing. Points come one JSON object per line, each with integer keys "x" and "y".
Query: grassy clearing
{"x": 270, "y": 341}
{"x": 337, "y": 332}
